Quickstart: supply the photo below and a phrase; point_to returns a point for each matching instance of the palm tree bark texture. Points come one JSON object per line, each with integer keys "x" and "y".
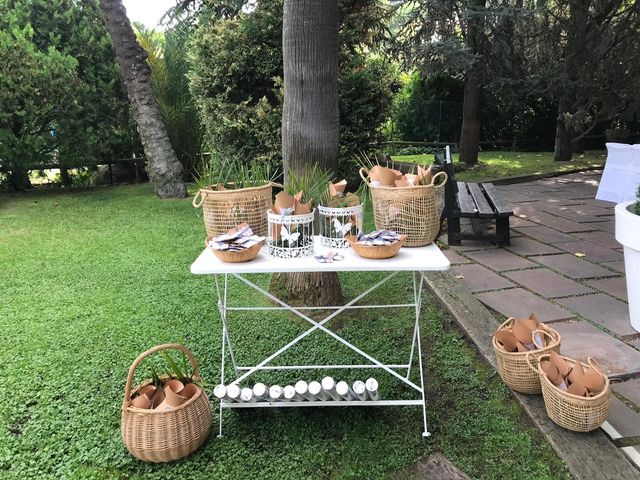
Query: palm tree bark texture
{"x": 310, "y": 120}
{"x": 165, "y": 171}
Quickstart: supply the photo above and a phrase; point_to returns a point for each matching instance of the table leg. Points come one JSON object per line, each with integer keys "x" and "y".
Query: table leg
{"x": 425, "y": 433}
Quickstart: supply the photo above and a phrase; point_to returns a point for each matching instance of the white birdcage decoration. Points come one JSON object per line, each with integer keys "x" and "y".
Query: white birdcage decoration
{"x": 290, "y": 236}
{"x": 337, "y": 223}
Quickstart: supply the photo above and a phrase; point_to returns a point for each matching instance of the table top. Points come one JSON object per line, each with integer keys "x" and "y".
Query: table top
{"x": 416, "y": 259}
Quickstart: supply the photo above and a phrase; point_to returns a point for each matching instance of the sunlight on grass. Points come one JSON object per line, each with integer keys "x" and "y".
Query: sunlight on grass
{"x": 494, "y": 165}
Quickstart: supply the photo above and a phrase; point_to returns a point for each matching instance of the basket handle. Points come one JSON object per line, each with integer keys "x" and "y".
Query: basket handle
{"x": 544, "y": 332}
{"x": 142, "y": 356}
{"x": 366, "y": 171}
{"x": 202, "y": 196}
{"x": 528, "y": 358}
{"x": 440, "y": 185}
{"x": 595, "y": 365}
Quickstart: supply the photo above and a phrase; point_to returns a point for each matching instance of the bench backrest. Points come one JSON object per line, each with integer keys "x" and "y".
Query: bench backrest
{"x": 451, "y": 187}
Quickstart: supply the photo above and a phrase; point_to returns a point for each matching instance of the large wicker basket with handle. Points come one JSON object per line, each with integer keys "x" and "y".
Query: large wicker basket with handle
{"x": 163, "y": 436}
{"x": 514, "y": 368}
{"x": 410, "y": 211}
{"x": 578, "y": 414}
{"x": 224, "y": 209}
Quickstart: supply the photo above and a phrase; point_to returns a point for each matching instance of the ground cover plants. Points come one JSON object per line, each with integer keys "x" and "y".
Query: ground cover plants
{"x": 92, "y": 279}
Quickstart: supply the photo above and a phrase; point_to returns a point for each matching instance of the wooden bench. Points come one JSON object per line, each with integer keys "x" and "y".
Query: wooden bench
{"x": 477, "y": 201}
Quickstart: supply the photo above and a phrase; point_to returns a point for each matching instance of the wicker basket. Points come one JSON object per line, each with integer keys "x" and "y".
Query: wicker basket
{"x": 513, "y": 366}
{"x": 578, "y": 414}
{"x": 163, "y": 436}
{"x": 410, "y": 211}
{"x": 376, "y": 252}
{"x": 224, "y": 209}
{"x": 236, "y": 256}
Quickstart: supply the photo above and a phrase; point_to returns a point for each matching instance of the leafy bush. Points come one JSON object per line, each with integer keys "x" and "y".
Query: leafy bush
{"x": 427, "y": 110}
{"x": 638, "y": 201}
{"x": 61, "y": 95}
{"x": 236, "y": 79}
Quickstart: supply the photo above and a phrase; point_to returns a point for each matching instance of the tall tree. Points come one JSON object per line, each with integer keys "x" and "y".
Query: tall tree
{"x": 588, "y": 57}
{"x": 472, "y": 39}
{"x": 310, "y": 116}
{"x": 165, "y": 171}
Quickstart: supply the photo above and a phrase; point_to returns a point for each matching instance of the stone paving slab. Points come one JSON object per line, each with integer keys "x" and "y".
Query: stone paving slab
{"x": 617, "y": 265}
{"x": 500, "y": 260}
{"x": 602, "y": 309}
{"x": 546, "y": 234}
{"x": 435, "y": 466}
{"x": 624, "y": 419}
{"x": 549, "y": 220}
{"x": 608, "y": 226}
{"x": 581, "y": 211}
{"x": 581, "y": 340}
{"x": 615, "y": 286}
{"x": 593, "y": 252}
{"x": 629, "y": 390}
{"x": 478, "y": 278}
{"x": 521, "y": 222}
{"x": 599, "y": 237}
{"x": 517, "y": 302}
{"x": 527, "y": 246}
{"x": 454, "y": 257}
{"x": 547, "y": 283}
{"x": 573, "y": 267}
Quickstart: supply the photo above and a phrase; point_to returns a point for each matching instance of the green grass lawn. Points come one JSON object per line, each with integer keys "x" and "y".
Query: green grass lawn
{"x": 508, "y": 164}
{"x": 91, "y": 279}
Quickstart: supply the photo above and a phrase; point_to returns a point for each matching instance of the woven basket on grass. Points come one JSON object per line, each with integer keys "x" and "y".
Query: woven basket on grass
{"x": 224, "y": 209}
{"x": 578, "y": 414}
{"x": 163, "y": 436}
{"x": 513, "y": 366}
{"x": 410, "y": 211}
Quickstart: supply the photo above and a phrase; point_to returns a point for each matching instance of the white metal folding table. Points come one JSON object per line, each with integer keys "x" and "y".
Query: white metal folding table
{"x": 416, "y": 260}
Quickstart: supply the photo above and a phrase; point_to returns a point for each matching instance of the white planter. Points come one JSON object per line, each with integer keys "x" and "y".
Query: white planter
{"x": 628, "y": 234}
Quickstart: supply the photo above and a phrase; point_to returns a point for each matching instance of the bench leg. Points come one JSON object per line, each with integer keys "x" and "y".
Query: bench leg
{"x": 453, "y": 229}
{"x": 502, "y": 232}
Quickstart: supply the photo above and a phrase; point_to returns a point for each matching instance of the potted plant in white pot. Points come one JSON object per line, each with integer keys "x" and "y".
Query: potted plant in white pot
{"x": 628, "y": 234}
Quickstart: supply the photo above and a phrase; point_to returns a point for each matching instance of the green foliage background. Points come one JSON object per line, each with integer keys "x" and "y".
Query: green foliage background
{"x": 236, "y": 77}
{"x": 69, "y": 82}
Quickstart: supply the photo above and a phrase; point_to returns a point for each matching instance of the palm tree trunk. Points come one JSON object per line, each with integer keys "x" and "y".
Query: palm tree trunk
{"x": 310, "y": 115}
{"x": 310, "y": 120}
{"x": 165, "y": 171}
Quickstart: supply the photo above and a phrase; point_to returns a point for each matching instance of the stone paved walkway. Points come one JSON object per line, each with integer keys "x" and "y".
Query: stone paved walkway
{"x": 565, "y": 264}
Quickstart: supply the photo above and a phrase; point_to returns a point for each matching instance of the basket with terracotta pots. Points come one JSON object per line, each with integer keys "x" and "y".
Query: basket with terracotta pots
{"x": 576, "y": 395}
{"x": 405, "y": 203}
{"x": 513, "y": 341}
{"x": 167, "y": 417}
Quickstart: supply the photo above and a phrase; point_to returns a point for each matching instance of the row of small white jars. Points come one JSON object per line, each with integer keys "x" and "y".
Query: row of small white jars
{"x": 291, "y": 236}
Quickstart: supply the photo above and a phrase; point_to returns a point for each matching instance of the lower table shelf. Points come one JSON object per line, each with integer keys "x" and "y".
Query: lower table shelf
{"x": 323, "y": 403}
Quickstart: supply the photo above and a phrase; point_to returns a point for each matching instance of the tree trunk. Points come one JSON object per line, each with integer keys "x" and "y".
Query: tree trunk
{"x": 19, "y": 178}
{"x": 564, "y": 134}
{"x": 470, "y": 134}
{"x": 165, "y": 171}
{"x": 310, "y": 115}
{"x": 310, "y": 120}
